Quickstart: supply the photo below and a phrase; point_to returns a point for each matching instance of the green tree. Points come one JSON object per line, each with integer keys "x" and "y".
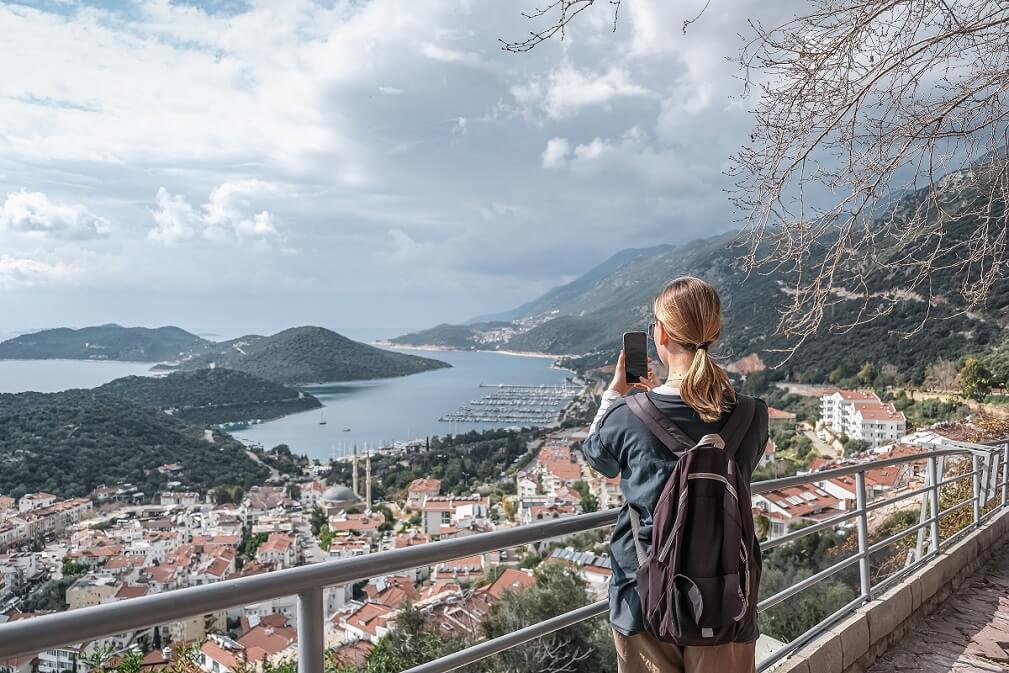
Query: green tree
{"x": 71, "y": 567}
{"x": 410, "y": 643}
{"x": 582, "y": 648}
{"x": 867, "y": 374}
{"x": 975, "y": 379}
{"x": 318, "y": 520}
{"x": 589, "y": 501}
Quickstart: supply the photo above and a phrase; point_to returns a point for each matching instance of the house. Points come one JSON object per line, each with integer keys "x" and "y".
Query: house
{"x": 311, "y": 493}
{"x": 220, "y": 654}
{"x": 279, "y": 549}
{"x": 442, "y": 513}
{"x": 370, "y": 621}
{"x": 184, "y": 498}
{"x": 787, "y": 507}
{"x": 348, "y": 548}
{"x": 421, "y": 489}
{"x": 91, "y": 590}
{"x": 779, "y": 418}
{"x": 33, "y": 501}
{"x": 470, "y": 568}
{"x": 267, "y": 642}
{"x": 366, "y": 525}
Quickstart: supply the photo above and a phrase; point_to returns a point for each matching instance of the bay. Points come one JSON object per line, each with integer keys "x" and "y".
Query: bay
{"x": 370, "y": 414}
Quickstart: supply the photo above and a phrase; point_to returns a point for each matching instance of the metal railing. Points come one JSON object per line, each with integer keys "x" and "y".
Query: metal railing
{"x": 989, "y": 475}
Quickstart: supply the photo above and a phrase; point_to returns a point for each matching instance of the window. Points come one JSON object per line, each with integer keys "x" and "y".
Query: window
{"x": 446, "y": 518}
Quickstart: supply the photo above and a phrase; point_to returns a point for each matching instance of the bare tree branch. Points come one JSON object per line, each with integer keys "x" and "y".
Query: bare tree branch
{"x": 877, "y": 162}
{"x": 563, "y": 13}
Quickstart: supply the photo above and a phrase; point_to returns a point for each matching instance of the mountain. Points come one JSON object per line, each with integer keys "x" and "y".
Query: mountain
{"x": 562, "y": 298}
{"x": 587, "y": 317}
{"x": 212, "y": 396}
{"x": 104, "y": 342}
{"x": 310, "y": 355}
{"x": 68, "y": 443}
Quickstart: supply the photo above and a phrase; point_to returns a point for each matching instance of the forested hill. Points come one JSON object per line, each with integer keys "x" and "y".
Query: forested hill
{"x": 212, "y": 396}
{"x": 587, "y": 317}
{"x": 71, "y": 442}
{"x": 311, "y": 355}
{"x": 104, "y": 342}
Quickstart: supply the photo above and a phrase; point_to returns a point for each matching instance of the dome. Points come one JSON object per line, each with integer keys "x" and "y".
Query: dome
{"x": 339, "y": 494}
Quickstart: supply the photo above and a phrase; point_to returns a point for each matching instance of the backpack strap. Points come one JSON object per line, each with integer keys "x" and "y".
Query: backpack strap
{"x": 739, "y": 422}
{"x": 667, "y": 432}
{"x": 639, "y": 549}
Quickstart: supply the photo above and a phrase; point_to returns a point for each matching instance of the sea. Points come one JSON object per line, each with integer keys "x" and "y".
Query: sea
{"x": 361, "y": 414}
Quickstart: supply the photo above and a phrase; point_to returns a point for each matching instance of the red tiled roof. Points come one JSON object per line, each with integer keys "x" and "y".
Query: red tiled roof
{"x": 221, "y": 655}
{"x": 779, "y": 414}
{"x": 265, "y": 641}
{"x": 369, "y": 617}
{"x": 131, "y": 591}
{"x": 431, "y": 486}
{"x": 510, "y": 580}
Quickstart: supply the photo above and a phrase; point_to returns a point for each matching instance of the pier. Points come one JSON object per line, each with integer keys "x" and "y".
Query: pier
{"x": 515, "y": 403}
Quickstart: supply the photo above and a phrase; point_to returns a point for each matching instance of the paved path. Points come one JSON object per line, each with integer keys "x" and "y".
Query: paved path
{"x": 969, "y": 632}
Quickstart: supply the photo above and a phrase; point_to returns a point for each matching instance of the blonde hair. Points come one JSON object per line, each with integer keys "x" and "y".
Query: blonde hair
{"x": 690, "y": 312}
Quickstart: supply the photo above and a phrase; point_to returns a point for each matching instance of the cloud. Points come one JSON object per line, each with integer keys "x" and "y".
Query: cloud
{"x": 566, "y": 91}
{"x": 228, "y": 215}
{"x": 25, "y": 272}
{"x": 556, "y": 153}
{"x": 34, "y": 214}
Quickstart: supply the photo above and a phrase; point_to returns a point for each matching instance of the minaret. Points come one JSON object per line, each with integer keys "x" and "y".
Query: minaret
{"x": 367, "y": 481}
{"x": 354, "y": 477}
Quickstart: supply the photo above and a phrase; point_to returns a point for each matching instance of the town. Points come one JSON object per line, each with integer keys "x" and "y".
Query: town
{"x": 118, "y": 544}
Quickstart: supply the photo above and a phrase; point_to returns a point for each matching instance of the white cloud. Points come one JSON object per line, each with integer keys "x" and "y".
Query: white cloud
{"x": 22, "y": 271}
{"x": 566, "y": 91}
{"x": 556, "y": 152}
{"x": 390, "y": 90}
{"x": 34, "y": 214}
{"x": 228, "y": 215}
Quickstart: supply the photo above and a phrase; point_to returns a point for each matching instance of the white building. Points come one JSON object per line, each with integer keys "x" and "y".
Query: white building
{"x": 862, "y": 415}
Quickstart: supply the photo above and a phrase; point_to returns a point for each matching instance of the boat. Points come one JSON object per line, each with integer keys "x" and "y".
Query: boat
{"x": 322, "y": 418}
{"x": 346, "y": 429}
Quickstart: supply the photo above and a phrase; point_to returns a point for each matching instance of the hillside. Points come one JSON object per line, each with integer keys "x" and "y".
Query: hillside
{"x": 68, "y": 443}
{"x": 587, "y": 317}
{"x": 104, "y": 342}
{"x": 311, "y": 355}
{"x": 212, "y": 396}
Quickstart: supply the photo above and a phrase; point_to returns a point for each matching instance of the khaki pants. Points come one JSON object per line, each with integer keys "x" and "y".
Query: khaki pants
{"x": 641, "y": 653}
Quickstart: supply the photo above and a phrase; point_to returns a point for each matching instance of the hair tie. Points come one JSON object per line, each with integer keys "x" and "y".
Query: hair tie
{"x": 702, "y": 346}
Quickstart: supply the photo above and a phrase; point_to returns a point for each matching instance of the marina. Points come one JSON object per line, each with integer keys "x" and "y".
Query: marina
{"x": 516, "y": 403}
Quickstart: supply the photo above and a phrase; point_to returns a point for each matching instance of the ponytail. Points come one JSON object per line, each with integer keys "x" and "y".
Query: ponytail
{"x": 706, "y": 387}
{"x": 690, "y": 312}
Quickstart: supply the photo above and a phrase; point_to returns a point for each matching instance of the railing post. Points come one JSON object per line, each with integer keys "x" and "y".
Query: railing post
{"x": 933, "y": 500}
{"x": 1005, "y": 474}
{"x": 975, "y": 461}
{"x": 310, "y": 631}
{"x": 863, "y": 537}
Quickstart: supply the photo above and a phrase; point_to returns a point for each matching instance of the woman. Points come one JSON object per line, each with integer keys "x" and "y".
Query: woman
{"x": 698, "y": 397}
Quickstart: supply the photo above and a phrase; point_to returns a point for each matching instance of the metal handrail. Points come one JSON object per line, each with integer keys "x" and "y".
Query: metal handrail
{"x": 307, "y": 582}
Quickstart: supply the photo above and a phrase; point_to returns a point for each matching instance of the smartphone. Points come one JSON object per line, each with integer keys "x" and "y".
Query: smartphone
{"x": 635, "y": 356}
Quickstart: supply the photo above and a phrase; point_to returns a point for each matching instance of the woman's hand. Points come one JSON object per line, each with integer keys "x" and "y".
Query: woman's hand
{"x": 619, "y": 383}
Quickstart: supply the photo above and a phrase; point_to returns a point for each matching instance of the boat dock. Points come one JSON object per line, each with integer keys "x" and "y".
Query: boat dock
{"x": 519, "y": 404}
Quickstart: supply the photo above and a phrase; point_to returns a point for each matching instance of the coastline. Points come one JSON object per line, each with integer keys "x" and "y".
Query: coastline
{"x": 448, "y": 349}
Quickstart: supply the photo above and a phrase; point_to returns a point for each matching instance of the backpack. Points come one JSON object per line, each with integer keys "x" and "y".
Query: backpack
{"x": 698, "y": 582}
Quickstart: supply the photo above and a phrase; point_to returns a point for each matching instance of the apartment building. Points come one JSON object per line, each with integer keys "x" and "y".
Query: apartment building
{"x": 862, "y": 415}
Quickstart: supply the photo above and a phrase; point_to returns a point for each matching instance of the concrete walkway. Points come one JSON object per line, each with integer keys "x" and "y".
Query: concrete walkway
{"x": 969, "y": 632}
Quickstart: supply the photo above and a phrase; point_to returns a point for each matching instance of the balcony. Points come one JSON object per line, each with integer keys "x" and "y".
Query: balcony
{"x": 849, "y": 639}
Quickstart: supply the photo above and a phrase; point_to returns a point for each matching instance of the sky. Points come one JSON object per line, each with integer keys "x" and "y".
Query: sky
{"x": 255, "y": 165}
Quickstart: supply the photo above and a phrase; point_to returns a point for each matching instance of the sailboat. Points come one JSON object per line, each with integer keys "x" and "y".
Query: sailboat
{"x": 322, "y": 418}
